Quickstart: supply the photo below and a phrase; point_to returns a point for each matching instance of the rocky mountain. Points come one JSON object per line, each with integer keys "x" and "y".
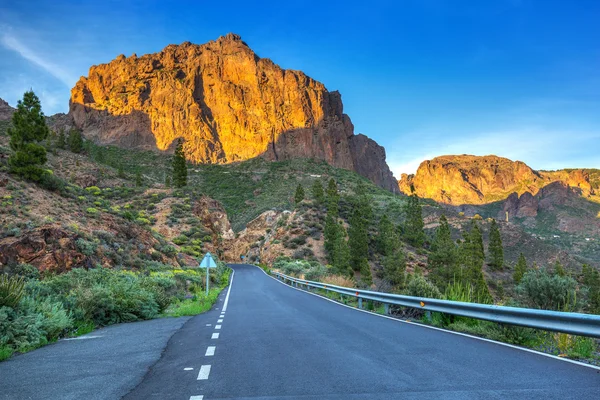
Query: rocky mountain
{"x": 467, "y": 179}
{"x": 227, "y": 103}
{"x": 6, "y": 111}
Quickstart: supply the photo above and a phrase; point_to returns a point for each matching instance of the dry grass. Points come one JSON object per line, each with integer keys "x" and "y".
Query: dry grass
{"x": 338, "y": 280}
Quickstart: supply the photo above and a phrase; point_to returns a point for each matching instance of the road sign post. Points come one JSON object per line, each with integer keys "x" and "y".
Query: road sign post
{"x": 208, "y": 262}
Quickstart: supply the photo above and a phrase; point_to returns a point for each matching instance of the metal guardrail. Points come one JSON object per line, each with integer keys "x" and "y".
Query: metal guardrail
{"x": 567, "y": 322}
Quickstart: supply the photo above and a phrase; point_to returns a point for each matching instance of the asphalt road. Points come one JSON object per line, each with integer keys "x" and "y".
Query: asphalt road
{"x": 275, "y": 342}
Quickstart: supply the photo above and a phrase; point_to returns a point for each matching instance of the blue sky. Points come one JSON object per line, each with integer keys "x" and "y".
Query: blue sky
{"x": 516, "y": 78}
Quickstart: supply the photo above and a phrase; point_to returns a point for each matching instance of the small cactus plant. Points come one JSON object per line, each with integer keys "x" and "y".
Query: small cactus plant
{"x": 11, "y": 290}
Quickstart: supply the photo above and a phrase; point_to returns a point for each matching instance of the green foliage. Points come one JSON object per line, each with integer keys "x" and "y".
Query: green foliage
{"x": 387, "y": 239}
{"x": 190, "y": 307}
{"x": 61, "y": 141}
{"x": 180, "y": 172}
{"x": 443, "y": 258}
{"x": 413, "y": 226}
{"x": 311, "y": 270}
{"x": 471, "y": 257}
{"x": 75, "y": 140}
{"x": 542, "y": 290}
{"x": 496, "y": 251}
{"x": 591, "y": 278}
{"x": 5, "y": 352}
{"x": 138, "y": 179}
{"x": 333, "y": 199}
{"x": 11, "y": 290}
{"x": 520, "y": 269}
{"x": 86, "y": 247}
{"x": 167, "y": 181}
{"x": 27, "y": 131}
{"x": 318, "y": 193}
{"x": 418, "y": 286}
{"x": 299, "y": 195}
{"x": 559, "y": 269}
{"x": 358, "y": 240}
{"x": 394, "y": 268}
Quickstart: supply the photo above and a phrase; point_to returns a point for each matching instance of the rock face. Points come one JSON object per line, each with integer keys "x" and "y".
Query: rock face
{"x": 470, "y": 179}
{"x": 227, "y": 103}
{"x": 6, "y": 111}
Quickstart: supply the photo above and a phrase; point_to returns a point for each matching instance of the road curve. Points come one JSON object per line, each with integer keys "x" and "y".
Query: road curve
{"x": 275, "y": 342}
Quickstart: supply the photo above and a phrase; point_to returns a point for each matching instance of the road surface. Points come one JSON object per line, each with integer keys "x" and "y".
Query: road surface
{"x": 275, "y": 342}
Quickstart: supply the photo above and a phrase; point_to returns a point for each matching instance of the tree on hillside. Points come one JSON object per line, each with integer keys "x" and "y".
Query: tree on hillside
{"x": 387, "y": 239}
{"x": 496, "y": 252}
{"x": 138, "y": 179}
{"x": 472, "y": 257}
{"x": 591, "y": 279}
{"x": 318, "y": 193}
{"x": 61, "y": 141}
{"x": 520, "y": 269}
{"x": 167, "y": 181}
{"x": 394, "y": 268}
{"x": 333, "y": 199}
{"x": 358, "y": 240}
{"x": 27, "y": 131}
{"x": 330, "y": 233}
{"x": 559, "y": 269}
{"x": 341, "y": 253}
{"x": 443, "y": 257}
{"x": 75, "y": 141}
{"x": 299, "y": 195}
{"x": 180, "y": 172}
{"x": 413, "y": 227}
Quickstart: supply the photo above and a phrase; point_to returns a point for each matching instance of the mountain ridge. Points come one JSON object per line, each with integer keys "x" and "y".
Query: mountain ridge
{"x": 227, "y": 103}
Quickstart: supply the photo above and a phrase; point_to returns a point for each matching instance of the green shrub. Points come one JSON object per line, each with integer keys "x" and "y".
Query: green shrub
{"x": 11, "y": 290}
{"x": 86, "y": 247}
{"x": 543, "y": 290}
{"x": 418, "y": 286}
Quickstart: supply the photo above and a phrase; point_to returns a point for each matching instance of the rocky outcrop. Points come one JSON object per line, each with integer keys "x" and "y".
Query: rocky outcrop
{"x": 6, "y": 111}
{"x": 467, "y": 179}
{"x": 227, "y": 103}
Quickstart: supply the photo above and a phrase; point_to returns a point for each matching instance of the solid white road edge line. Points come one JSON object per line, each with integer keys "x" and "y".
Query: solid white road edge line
{"x": 438, "y": 329}
{"x": 215, "y": 336}
{"x": 210, "y": 351}
{"x": 204, "y": 373}
{"x": 228, "y": 292}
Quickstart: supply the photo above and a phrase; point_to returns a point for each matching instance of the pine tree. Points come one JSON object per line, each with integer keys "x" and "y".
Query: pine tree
{"x": 333, "y": 199}
{"x": 472, "y": 258}
{"x": 387, "y": 239}
{"x": 443, "y": 257}
{"x": 27, "y": 131}
{"x": 394, "y": 268}
{"x": 591, "y": 279}
{"x": 413, "y": 227}
{"x": 180, "y": 171}
{"x": 520, "y": 269}
{"x": 559, "y": 269}
{"x": 341, "y": 253}
{"x": 138, "y": 179}
{"x": 61, "y": 141}
{"x": 121, "y": 172}
{"x": 317, "y": 192}
{"x": 496, "y": 252}
{"x": 299, "y": 195}
{"x": 100, "y": 155}
{"x": 358, "y": 241}
{"x": 75, "y": 141}
{"x": 167, "y": 181}
{"x": 330, "y": 234}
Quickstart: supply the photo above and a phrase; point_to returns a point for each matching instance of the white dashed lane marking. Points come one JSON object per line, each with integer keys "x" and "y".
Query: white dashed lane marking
{"x": 204, "y": 372}
{"x": 217, "y": 326}
{"x": 196, "y": 397}
{"x": 215, "y": 335}
{"x": 220, "y": 321}
{"x": 188, "y": 369}
{"x": 210, "y": 351}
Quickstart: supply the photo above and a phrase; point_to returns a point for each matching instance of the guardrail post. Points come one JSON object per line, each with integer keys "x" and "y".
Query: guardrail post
{"x": 386, "y": 308}
{"x": 359, "y": 303}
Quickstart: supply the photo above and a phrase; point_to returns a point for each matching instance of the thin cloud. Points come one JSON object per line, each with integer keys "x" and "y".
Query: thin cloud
{"x": 12, "y": 43}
